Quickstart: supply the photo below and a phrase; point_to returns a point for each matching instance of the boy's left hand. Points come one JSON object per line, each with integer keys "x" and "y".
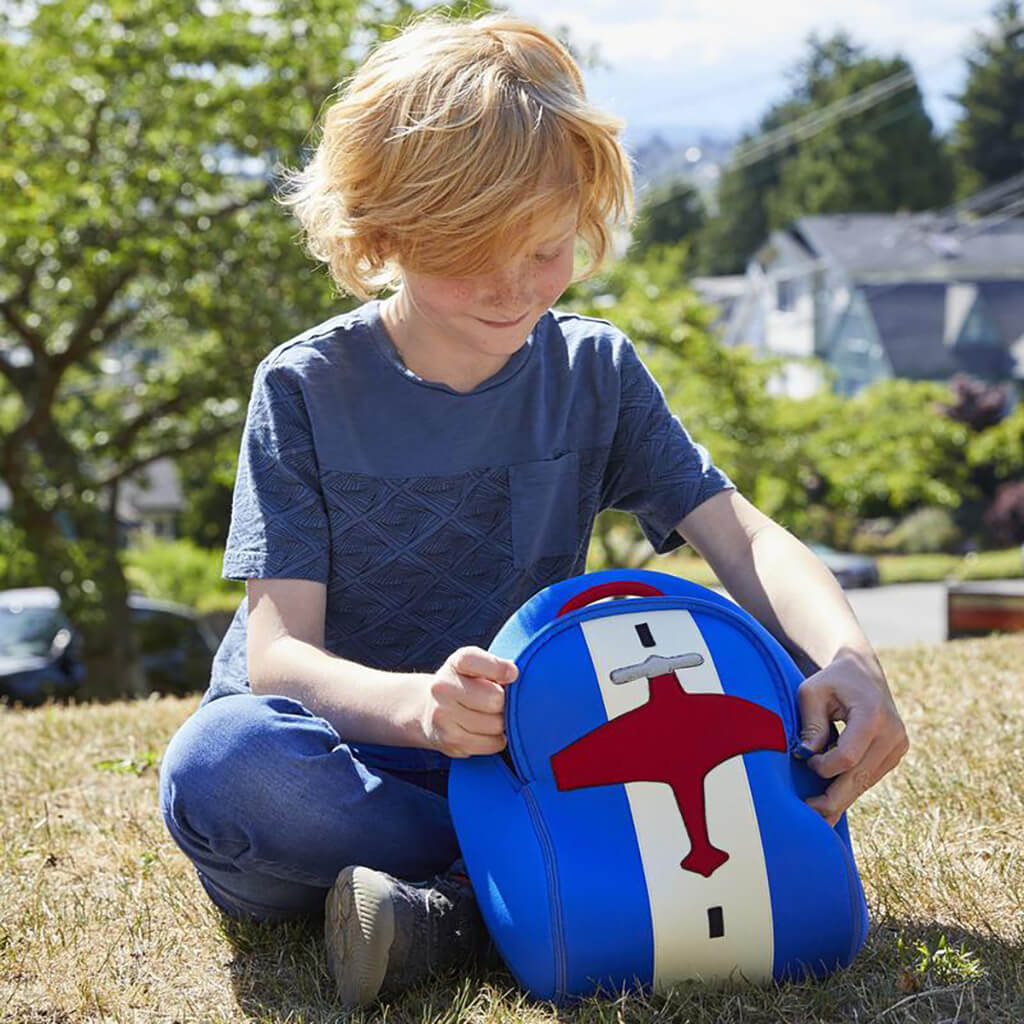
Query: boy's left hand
{"x": 851, "y": 689}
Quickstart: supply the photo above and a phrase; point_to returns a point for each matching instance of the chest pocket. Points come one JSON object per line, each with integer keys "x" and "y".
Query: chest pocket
{"x": 545, "y": 507}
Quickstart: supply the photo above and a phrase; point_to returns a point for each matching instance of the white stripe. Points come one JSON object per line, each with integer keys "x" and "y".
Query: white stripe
{"x": 680, "y": 899}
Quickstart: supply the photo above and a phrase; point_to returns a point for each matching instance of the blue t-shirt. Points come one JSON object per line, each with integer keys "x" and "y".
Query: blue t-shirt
{"x": 431, "y": 515}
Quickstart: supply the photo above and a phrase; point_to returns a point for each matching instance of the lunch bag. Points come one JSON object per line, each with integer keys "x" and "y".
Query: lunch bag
{"x": 646, "y": 823}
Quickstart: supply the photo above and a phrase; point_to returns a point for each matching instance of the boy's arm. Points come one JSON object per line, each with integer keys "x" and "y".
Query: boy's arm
{"x": 786, "y": 588}
{"x": 458, "y": 709}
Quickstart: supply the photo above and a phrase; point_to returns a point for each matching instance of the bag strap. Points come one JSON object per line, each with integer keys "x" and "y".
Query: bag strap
{"x": 614, "y": 588}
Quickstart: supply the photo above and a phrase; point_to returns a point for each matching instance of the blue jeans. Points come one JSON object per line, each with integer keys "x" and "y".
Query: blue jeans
{"x": 269, "y": 805}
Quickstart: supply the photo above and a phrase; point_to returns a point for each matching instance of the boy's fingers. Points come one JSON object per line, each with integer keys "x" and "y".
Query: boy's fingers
{"x": 468, "y": 744}
{"x": 851, "y": 749}
{"x": 481, "y": 695}
{"x": 816, "y": 704}
{"x": 846, "y": 788}
{"x": 474, "y": 661}
{"x": 478, "y": 723}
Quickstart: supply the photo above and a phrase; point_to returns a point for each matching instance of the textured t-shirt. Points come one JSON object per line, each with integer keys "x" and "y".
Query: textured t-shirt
{"x": 429, "y": 514}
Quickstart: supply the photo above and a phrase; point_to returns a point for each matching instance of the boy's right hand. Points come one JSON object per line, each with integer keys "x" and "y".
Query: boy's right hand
{"x": 464, "y": 712}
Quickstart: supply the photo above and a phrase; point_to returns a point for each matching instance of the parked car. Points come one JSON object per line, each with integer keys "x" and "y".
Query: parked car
{"x": 851, "y": 570}
{"x": 41, "y": 649}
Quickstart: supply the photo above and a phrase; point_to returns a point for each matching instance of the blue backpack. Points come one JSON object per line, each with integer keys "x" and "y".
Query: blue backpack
{"x": 646, "y": 823}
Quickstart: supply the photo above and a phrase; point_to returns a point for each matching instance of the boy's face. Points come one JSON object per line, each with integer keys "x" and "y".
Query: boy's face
{"x": 492, "y": 314}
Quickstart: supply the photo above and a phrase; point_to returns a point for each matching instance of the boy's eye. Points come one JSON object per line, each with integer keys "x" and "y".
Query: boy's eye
{"x": 546, "y": 257}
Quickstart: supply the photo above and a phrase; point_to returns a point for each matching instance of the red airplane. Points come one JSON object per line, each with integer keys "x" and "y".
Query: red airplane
{"x": 676, "y": 738}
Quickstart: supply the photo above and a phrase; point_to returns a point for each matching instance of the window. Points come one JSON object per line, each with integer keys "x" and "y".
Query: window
{"x": 978, "y": 328}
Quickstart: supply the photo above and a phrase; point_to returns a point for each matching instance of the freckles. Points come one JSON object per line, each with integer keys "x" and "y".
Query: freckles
{"x": 461, "y": 291}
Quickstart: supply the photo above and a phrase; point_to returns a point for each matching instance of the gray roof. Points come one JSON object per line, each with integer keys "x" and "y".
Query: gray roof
{"x": 924, "y": 246}
{"x": 911, "y": 322}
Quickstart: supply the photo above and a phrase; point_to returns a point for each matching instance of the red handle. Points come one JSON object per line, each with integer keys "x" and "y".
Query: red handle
{"x": 617, "y": 588}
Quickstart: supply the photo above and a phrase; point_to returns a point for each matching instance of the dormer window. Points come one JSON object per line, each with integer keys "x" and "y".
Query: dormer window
{"x": 978, "y": 328}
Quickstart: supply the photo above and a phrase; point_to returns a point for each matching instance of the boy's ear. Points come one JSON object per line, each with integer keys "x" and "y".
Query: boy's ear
{"x": 385, "y": 245}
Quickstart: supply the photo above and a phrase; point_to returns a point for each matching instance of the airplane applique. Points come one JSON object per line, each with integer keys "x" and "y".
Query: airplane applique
{"x": 676, "y": 738}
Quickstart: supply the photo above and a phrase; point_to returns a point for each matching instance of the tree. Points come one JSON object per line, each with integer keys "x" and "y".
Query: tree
{"x": 671, "y": 214}
{"x": 207, "y": 483}
{"x": 988, "y": 139}
{"x": 884, "y": 158}
{"x": 889, "y": 451}
{"x": 740, "y": 221}
{"x": 144, "y": 265}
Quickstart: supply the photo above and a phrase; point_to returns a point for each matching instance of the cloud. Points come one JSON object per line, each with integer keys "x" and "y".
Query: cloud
{"x": 735, "y": 52}
{"x": 706, "y": 31}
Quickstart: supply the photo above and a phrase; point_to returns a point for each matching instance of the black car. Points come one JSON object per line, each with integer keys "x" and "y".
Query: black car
{"x": 849, "y": 569}
{"x": 41, "y": 650}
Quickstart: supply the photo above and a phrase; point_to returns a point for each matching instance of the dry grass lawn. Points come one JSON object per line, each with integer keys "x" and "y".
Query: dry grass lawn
{"x": 102, "y": 919}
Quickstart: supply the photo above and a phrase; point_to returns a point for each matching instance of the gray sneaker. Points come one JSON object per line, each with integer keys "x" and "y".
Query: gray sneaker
{"x": 384, "y": 935}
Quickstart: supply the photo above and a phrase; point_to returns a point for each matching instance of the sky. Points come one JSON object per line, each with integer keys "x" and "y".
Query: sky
{"x": 686, "y": 66}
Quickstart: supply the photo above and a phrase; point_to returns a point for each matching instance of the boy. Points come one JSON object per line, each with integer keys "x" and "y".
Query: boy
{"x": 412, "y": 471}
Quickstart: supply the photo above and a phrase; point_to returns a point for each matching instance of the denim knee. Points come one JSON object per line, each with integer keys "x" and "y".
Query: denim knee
{"x": 259, "y": 783}
{"x": 225, "y": 767}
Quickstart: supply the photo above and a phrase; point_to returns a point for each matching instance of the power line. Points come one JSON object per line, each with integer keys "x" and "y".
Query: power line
{"x": 816, "y": 121}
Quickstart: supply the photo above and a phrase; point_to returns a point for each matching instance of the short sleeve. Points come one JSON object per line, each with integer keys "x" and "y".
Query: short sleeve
{"x": 279, "y": 524}
{"x": 655, "y": 469}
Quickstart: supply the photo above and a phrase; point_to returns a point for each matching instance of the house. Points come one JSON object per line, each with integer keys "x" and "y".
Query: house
{"x": 923, "y": 296}
{"x": 149, "y": 502}
{"x": 721, "y": 293}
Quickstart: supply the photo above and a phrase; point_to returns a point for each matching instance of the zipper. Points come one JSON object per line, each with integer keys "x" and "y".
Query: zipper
{"x": 786, "y": 698}
{"x": 520, "y": 764}
{"x": 554, "y": 898}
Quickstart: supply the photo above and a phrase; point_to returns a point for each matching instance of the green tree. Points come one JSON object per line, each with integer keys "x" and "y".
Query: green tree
{"x": 886, "y": 157}
{"x": 890, "y": 449}
{"x": 670, "y": 214}
{"x": 739, "y": 224}
{"x": 207, "y": 483}
{"x": 144, "y": 265}
{"x": 988, "y": 139}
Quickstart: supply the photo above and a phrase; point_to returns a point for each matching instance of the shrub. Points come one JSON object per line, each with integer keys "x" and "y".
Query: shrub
{"x": 926, "y": 531}
{"x": 977, "y": 403}
{"x": 872, "y": 535}
{"x": 1005, "y": 516}
{"x": 181, "y": 571}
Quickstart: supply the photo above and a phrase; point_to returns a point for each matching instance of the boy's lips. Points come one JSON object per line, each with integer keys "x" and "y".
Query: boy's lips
{"x": 504, "y": 323}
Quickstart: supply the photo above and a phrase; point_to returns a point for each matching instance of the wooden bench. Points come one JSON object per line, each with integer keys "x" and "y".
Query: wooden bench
{"x": 991, "y": 606}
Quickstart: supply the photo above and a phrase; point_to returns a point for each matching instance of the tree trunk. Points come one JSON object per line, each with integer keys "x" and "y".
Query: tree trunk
{"x": 75, "y": 545}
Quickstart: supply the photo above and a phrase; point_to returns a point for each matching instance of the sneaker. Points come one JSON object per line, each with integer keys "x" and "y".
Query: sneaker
{"x": 384, "y": 935}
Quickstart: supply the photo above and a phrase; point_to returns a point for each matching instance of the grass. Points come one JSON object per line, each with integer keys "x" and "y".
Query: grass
{"x": 981, "y": 565}
{"x": 180, "y": 571}
{"x": 102, "y": 919}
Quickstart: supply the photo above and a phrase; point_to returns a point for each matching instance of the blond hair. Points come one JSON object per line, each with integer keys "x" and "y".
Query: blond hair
{"x": 454, "y": 140}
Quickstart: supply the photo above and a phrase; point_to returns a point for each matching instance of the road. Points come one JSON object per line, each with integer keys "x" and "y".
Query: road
{"x": 902, "y": 614}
